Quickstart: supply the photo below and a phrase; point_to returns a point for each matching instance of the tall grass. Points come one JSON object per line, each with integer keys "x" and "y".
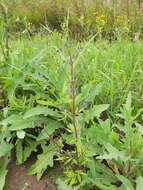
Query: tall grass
{"x": 85, "y": 17}
{"x": 115, "y": 69}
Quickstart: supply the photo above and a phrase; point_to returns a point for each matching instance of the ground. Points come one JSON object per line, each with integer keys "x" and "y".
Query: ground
{"x": 17, "y": 178}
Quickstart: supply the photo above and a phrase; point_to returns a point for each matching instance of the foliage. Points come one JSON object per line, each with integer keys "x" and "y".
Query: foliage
{"x": 76, "y": 104}
{"x": 110, "y": 19}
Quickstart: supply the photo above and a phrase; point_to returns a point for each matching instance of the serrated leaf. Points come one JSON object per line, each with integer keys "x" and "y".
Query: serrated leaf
{"x": 40, "y": 111}
{"x": 113, "y": 153}
{"x": 95, "y": 112}
{"x": 5, "y": 148}
{"x": 44, "y": 160}
{"x": 84, "y": 93}
{"x": 49, "y": 129}
{"x": 87, "y": 93}
{"x": 24, "y": 150}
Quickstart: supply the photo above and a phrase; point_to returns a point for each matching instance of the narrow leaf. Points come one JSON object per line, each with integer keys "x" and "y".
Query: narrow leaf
{"x": 3, "y": 172}
{"x": 126, "y": 182}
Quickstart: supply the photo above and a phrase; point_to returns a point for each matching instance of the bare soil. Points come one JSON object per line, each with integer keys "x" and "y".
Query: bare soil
{"x": 17, "y": 178}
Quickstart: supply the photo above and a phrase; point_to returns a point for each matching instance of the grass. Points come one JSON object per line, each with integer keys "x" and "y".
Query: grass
{"x": 116, "y": 67}
{"x": 78, "y": 103}
{"x": 85, "y": 17}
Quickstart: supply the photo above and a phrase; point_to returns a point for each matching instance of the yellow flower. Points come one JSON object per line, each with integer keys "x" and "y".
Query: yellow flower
{"x": 119, "y": 19}
{"x": 101, "y": 20}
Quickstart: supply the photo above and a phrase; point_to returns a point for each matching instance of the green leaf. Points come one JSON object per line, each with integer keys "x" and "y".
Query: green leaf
{"x": 128, "y": 102}
{"x": 100, "y": 185}
{"x": 44, "y": 160}
{"x": 3, "y": 172}
{"x": 113, "y": 153}
{"x": 63, "y": 186}
{"x": 10, "y": 119}
{"x": 87, "y": 93}
{"x": 24, "y": 149}
{"x": 126, "y": 182}
{"x": 139, "y": 183}
{"x": 101, "y": 175}
{"x": 19, "y": 151}
{"x": 84, "y": 93}
{"x": 49, "y": 129}
{"x": 40, "y": 111}
{"x": 5, "y": 148}
{"x": 95, "y": 112}
{"x": 16, "y": 122}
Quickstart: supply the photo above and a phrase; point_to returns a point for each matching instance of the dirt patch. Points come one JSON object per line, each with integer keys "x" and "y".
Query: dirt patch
{"x": 17, "y": 178}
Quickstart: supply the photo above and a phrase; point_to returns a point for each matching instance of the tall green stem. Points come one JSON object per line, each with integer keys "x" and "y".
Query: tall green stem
{"x": 73, "y": 106}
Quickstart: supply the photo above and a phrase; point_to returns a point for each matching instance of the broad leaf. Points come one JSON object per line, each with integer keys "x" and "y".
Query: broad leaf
{"x": 49, "y": 129}
{"x": 113, "y": 153}
{"x": 5, "y": 148}
{"x": 95, "y": 112}
{"x": 16, "y": 122}
{"x": 40, "y": 111}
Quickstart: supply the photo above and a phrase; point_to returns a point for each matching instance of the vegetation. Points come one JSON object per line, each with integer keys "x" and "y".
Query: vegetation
{"x": 86, "y": 17}
{"x": 74, "y": 103}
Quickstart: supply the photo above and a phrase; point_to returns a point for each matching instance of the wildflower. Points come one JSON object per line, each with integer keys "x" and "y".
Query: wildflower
{"x": 119, "y": 19}
{"x": 100, "y": 22}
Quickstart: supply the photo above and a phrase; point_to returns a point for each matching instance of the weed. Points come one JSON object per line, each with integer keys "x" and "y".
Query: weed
{"x": 70, "y": 102}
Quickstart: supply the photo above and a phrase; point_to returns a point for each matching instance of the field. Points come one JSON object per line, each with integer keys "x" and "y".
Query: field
{"x": 70, "y": 108}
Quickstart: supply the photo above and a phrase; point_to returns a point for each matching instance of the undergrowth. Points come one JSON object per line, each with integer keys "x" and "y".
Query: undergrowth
{"x": 75, "y": 103}
{"x": 86, "y": 17}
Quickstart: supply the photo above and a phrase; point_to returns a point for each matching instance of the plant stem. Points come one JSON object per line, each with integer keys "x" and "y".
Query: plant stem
{"x": 73, "y": 106}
